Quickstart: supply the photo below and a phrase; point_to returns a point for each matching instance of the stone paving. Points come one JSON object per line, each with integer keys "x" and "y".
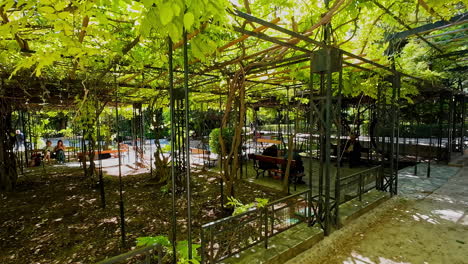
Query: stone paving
{"x": 426, "y": 223}
{"x": 419, "y": 186}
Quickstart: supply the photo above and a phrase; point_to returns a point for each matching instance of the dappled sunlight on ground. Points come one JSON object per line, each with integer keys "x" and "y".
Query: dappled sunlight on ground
{"x": 55, "y": 214}
{"x": 451, "y": 215}
{"x": 356, "y": 258}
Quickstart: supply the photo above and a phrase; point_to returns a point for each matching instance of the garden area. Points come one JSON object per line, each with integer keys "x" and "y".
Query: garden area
{"x": 189, "y": 131}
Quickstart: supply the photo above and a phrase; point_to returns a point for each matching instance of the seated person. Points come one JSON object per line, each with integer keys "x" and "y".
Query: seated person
{"x": 353, "y": 149}
{"x": 256, "y": 135}
{"x": 298, "y": 167}
{"x": 48, "y": 151}
{"x": 35, "y": 161}
{"x": 271, "y": 151}
{"x": 60, "y": 152}
{"x": 124, "y": 148}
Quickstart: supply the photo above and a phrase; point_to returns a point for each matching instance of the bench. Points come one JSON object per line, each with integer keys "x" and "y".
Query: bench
{"x": 365, "y": 152}
{"x": 293, "y": 177}
{"x": 205, "y": 155}
{"x": 263, "y": 143}
{"x": 268, "y": 141}
{"x": 113, "y": 152}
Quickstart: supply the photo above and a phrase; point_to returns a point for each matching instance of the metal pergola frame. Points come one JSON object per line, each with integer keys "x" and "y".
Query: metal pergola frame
{"x": 327, "y": 205}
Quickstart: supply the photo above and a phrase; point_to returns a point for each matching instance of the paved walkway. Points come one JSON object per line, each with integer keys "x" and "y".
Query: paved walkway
{"x": 426, "y": 223}
{"x": 420, "y": 185}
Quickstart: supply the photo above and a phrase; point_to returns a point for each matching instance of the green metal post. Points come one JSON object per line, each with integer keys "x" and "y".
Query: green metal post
{"x": 187, "y": 148}
{"x": 173, "y": 145}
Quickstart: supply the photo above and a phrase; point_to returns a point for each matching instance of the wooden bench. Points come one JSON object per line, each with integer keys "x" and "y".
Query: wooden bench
{"x": 113, "y": 152}
{"x": 268, "y": 141}
{"x": 365, "y": 152}
{"x": 205, "y": 155}
{"x": 262, "y": 143}
{"x": 293, "y": 177}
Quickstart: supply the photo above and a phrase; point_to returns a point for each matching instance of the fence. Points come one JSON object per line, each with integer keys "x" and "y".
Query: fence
{"x": 228, "y": 236}
{"x": 356, "y": 184}
{"x": 145, "y": 255}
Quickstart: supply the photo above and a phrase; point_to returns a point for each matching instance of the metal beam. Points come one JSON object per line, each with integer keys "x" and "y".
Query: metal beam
{"x": 271, "y": 39}
{"x": 280, "y": 63}
{"x": 451, "y": 54}
{"x": 460, "y": 19}
{"x": 406, "y": 26}
{"x": 278, "y": 28}
{"x": 304, "y": 38}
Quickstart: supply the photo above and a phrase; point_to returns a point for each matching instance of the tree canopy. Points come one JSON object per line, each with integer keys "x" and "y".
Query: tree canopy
{"x": 103, "y": 44}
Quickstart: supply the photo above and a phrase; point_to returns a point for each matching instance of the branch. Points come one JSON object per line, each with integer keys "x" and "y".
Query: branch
{"x": 429, "y": 9}
{"x": 23, "y": 44}
{"x": 190, "y": 36}
{"x": 131, "y": 45}
{"x": 247, "y": 6}
{"x": 354, "y": 20}
{"x": 372, "y": 27}
{"x": 125, "y": 50}
{"x": 121, "y": 21}
{"x": 354, "y": 32}
{"x": 84, "y": 26}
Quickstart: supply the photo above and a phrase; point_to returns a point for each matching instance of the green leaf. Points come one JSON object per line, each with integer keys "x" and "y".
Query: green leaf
{"x": 182, "y": 251}
{"x": 64, "y": 15}
{"x": 188, "y": 20}
{"x": 47, "y": 9}
{"x": 261, "y": 202}
{"x": 148, "y": 241}
{"x": 147, "y": 3}
{"x": 176, "y": 9}
{"x": 60, "y": 5}
{"x": 174, "y": 32}
{"x": 165, "y": 13}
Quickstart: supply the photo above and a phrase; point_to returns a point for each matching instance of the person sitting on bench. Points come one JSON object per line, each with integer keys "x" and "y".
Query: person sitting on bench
{"x": 353, "y": 148}
{"x": 298, "y": 168}
{"x": 48, "y": 151}
{"x": 60, "y": 152}
{"x": 271, "y": 151}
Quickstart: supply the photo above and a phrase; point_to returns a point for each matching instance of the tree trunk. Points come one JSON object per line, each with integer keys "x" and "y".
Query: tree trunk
{"x": 91, "y": 150}
{"x": 231, "y": 160}
{"x": 8, "y": 173}
{"x": 288, "y": 166}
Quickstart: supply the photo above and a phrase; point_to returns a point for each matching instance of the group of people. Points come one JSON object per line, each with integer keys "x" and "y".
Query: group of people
{"x": 352, "y": 151}
{"x": 57, "y": 152}
{"x": 272, "y": 151}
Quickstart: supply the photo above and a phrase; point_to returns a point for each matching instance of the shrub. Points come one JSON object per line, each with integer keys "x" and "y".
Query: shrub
{"x": 228, "y": 135}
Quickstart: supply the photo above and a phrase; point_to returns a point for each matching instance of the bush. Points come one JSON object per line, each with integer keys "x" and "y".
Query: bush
{"x": 228, "y": 135}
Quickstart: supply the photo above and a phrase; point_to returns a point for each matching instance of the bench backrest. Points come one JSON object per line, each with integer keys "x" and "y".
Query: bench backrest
{"x": 269, "y": 159}
{"x": 269, "y": 141}
{"x": 107, "y": 151}
{"x": 199, "y": 151}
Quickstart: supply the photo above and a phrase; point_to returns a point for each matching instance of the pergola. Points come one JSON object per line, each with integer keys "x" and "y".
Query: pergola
{"x": 240, "y": 72}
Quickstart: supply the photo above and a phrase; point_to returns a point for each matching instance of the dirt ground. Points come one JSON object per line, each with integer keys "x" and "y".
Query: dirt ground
{"x": 432, "y": 230}
{"x": 57, "y": 217}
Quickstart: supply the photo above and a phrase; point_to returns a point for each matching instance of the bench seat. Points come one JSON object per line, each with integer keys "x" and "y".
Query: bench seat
{"x": 204, "y": 155}
{"x": 277, "y": 173}
{"x": 113, "y": 152}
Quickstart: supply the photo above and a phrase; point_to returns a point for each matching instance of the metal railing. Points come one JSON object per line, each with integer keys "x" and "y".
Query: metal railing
{"x": 145, "y": 255}
{"x": 356, "y": 184}
{"x": 228, "y": 236}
